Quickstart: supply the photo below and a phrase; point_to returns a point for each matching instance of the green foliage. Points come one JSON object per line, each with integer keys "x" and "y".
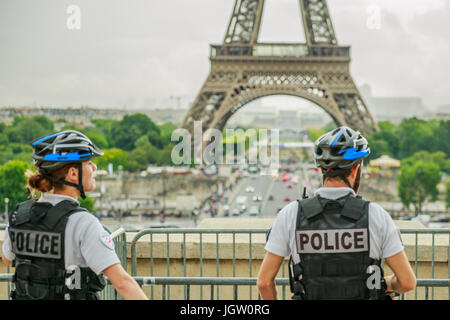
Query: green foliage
{"x": 330, "y": 126}
{"x": 447, "y": 194}
{"x": 115, "y": 156}
{"x": 124, "y": 134}
{"x": 16, "y": 151}
{"x": 134, "y": 142}
{"x": 13, "y": 183}
{"x": 418, "y": 182}
{"x": 45, "y": 123}
{"x": 410, "y": 136}
{"x": 314, "y": 134}
{"x": 97, "y": 138}
{"x": 87, "y": 203}
{"x": 165, "y": 156}
{"x": 24, "y": 130}
{"x": 144, "y": 153}
{"x": 414, "y": 135}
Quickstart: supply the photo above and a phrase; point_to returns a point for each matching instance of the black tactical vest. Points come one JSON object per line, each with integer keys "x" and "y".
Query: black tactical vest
{"x": 332, "y": 239}
{"x": 37, "y": 234}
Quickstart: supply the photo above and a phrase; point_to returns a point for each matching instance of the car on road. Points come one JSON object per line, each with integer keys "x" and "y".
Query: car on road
{"x": 253, "y": 211}
{"x": 236, "y": 212}
{"x": 271, "y": 197}
{"x": 441, "y": 218}
{"x": 290, "y": 186}
{"x": 287, "y": 199}
{"x": 250, "y": 189}
{"x": 257, "y": 198}
{"x": 243, "y": 208}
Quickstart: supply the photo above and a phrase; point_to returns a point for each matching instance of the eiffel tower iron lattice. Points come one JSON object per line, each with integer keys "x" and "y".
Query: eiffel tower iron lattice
{"x": 242, "y": 70}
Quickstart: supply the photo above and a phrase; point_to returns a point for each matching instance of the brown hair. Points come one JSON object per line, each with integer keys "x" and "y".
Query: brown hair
{"x": 39, "y": 182}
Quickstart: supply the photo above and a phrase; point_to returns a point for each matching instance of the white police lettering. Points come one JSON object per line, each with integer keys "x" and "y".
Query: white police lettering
{"x": 36, "y": 243}
{"x": 332, "y": 240}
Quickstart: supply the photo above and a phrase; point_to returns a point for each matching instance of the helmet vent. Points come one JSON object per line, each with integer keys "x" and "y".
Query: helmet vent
{"x": 348, "y": 132}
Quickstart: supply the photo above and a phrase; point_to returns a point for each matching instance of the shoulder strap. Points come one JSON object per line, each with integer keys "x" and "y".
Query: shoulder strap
{"x": 311, "y": 207}
{"x": 21, "y": 213}
{"x": 354, "y": 207}
{"x": 62, "y": 209}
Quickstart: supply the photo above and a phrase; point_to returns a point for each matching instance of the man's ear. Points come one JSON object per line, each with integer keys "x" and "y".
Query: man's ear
{"x": 354, "y": 171}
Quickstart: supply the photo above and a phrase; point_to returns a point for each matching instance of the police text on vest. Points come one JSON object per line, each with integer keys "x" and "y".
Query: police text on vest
{"x": 36, "y": 243}
{"x": 332, "y": 240}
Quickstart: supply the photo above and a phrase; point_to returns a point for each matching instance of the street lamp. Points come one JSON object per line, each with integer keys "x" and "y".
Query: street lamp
{"x": 6, "y": 208}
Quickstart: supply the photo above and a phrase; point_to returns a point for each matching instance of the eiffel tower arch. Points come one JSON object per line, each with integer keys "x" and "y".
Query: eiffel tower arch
{"x": 242, "y": 70}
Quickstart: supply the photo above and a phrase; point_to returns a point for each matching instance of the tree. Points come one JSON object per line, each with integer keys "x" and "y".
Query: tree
{"x": 44, "y": 122}
{"x": 418, "y": 182}
{"x": 115, "y": 156}
{"x": 13, "y": 183}
{"x": 447, "y": 194}
{"x": 124, "y": 134}
{"x": 377, "y": 149}
{"x": 144, "y": 153}
{"x": 388, "y": 134}
{"x": 436, "y": 157}
{"x": 414, "y": 135}
{"x": 24, "y": 130}
{"x": 98, "y": 139}
{"x": 87, "y": 203}
{"x": 314, "y": 134}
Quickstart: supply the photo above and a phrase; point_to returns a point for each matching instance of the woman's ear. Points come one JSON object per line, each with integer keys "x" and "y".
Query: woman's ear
{"x": 72, "y": 175}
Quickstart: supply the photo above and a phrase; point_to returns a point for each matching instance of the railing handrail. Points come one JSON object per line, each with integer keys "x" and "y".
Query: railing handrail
{"x": 146, "y": 280}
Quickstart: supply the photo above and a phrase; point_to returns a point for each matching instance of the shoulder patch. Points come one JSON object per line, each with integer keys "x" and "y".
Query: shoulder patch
{"x": 105, "y": 238}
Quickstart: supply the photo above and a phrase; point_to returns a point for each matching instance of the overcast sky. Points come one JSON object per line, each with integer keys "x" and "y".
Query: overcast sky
{"x": 142, "y": 52}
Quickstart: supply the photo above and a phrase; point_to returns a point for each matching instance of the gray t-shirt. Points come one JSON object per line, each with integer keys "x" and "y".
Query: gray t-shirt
{"x": 385, "y": 240}
{"x": 86, "y": 243}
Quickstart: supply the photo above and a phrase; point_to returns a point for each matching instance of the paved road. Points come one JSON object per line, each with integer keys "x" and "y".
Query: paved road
{"x": 266, "y": 186}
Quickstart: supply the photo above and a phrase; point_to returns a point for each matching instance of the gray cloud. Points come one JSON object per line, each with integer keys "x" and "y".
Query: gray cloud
{"x": 148, "y": 50}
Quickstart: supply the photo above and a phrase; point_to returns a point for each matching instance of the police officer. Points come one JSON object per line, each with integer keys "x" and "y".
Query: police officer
{"x": 60, "y": 250}
{"x": 336, "y": 240}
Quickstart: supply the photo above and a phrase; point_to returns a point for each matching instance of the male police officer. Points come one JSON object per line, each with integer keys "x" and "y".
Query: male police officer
{"x": 60, "y": 250}
{"x": 336, "y": 239}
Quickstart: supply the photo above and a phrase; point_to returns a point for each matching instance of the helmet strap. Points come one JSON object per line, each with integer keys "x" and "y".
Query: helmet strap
{"x": 357, "y": 180}
{"x": 79, "y": 186}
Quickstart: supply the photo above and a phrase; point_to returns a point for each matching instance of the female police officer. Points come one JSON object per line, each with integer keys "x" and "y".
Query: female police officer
{"x": 336, "y": 239}
{"x": 60, "y": 250}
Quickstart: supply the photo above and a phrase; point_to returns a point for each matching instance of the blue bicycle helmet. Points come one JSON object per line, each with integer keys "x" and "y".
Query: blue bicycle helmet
{"x": 56, "y": 150}
{"x": 338, "y": 151}
{"x": 342, "y": 148}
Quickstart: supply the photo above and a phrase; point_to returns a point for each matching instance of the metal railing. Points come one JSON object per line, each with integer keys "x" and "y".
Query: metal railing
{"x": 119, "y": 237}
{"x": 209, "y": 236}
{"x": 295, "y": 50}
{"x": 188, "y": 282}
{"x": 166, "y": 242}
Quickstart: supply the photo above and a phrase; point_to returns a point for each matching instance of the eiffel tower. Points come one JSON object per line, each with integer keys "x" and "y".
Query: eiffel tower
{"x": 242, "y": 70}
